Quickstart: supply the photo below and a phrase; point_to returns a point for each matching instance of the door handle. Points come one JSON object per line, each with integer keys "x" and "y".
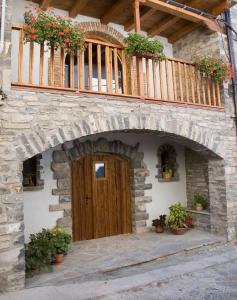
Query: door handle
{"x": 87, "y": 199}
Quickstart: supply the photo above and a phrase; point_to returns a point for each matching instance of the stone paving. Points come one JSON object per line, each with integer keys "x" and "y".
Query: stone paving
{"x": 94, "y": 258}
{"x": 198, "y": 273}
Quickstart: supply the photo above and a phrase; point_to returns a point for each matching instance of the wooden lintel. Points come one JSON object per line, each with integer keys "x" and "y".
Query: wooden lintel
{"x": 129, "y": 25}
{"x": 77, "y": 7}
{"x": 45, "y": 4}
{"x": 116, "y": 8}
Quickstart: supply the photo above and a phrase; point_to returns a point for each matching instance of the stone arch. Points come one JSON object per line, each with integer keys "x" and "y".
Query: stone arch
{"x": 194, "y": 136}
{"x": 76, "y": 149}
{"x": 105, "y": 32}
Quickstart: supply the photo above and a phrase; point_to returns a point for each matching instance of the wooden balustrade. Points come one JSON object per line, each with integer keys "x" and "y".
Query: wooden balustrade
{"x": 104, "y": 68}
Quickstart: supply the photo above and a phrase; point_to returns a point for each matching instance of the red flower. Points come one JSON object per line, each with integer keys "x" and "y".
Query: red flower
{"x": 67, "y": 40}
{"x": 33, "y": 18}
{"x": 59, "y": 17}
{"x": 33, "y": 30}
{"x": 53, "y": 25}
{"x": 61, "y": 33}
{"x": 32, "y": 37}
{"x": 65, "y": 30}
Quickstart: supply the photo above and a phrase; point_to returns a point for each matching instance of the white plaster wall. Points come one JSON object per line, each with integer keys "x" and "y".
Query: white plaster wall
{"x": 163, "y": 193}
{"x": 36, "y": 203}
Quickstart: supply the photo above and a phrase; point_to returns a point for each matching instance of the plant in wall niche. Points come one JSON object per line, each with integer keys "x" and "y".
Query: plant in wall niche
{"x": 160, "y": 223}
{"x": 213, "y": 66}
{"x": 200, "y": 202}
{"x": 139, "y": 45}
{"x": 168, "y": 170}
{"x": 56, "y": 31}
{"x": 176, "y": 220}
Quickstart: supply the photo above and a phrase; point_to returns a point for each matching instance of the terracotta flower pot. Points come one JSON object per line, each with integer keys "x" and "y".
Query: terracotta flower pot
{"x": 160, "y": 229}
{"x": 180, "y": 231}
{"x": 58, "y": 259}
{"x": 199, "y": 207}
{"x": 167, "y": 175}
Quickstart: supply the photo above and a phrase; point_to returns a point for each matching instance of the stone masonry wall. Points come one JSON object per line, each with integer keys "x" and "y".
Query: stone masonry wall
{"x": 196, "y": 176}
{"x": 33, "y": 121}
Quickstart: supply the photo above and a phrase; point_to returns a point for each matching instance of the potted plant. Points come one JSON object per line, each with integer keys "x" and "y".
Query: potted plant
{"x": 140, "y": 46}
{"x": 176, "y": 219}
{"x": 39, "y": 252}
{"x": 200, "y": 202}
{"x": 167, "y": 170}
{"x": 61, "y": 241}
{"x": 56, "y": 31}
{"x": 159, "y": 224}
{"x": 189, "y": 220}
{"x": 212, "y": 66}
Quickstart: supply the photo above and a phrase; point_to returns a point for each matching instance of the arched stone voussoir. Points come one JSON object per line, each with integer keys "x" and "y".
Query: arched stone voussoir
{"x": 193, "y": 136}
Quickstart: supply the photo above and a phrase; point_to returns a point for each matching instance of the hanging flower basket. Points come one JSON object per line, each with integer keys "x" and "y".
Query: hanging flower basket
{"x": 56, "y": 31}
{"x": 140, "y": 46}
{"x": 213, "y": 67}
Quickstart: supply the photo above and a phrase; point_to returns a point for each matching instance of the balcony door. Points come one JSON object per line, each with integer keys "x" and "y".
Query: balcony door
{"x": 101, "y": 197}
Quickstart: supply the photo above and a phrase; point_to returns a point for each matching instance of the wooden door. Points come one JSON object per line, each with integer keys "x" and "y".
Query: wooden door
{"x": 101, "y": 197}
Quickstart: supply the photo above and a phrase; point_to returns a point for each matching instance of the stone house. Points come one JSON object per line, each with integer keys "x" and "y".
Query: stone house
{"x": 84, "y": 139}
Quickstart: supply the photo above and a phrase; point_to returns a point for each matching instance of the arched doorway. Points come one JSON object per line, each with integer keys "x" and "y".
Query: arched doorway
{"x": 101, "y": 197}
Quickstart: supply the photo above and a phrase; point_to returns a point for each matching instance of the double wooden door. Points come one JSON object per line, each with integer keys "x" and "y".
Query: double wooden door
{"x": 101, "y": 197}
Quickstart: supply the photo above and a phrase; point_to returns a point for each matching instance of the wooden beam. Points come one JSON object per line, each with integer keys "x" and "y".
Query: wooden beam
{"x": 190, "y": 27}
{"x": 77, "y": 7}
{"x": 129, "y": 25}
{"x": 170, "y": 20}
{"x": 137, "y": 20}
{"x": 176, "y": 11}
{"x": 115, "y": 9}
{"x": 163, "y": 25}
{"x": 45, "y": 4}
{"x": 221, "y": 7}
{"x": 182, "y": 32}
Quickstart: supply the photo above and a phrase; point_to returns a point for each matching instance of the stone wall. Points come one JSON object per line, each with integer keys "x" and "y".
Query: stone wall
{"x": 33, "y": 121}
{"x": 196, "y": 176}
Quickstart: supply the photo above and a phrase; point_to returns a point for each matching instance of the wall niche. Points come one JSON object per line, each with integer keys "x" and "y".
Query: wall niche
{"x": 167, "y": 164}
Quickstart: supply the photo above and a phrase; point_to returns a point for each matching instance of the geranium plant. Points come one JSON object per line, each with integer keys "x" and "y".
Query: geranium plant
{"x": 61, "y": 240}
{"x": 213, "y": 66}
{"x": 177, "y": 216}
{"x": 139, "y": 45}
{"x": 56, "y": 31}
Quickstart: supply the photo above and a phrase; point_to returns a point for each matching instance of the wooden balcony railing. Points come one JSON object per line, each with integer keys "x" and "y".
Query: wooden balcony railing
{"x": 104, "y": 68}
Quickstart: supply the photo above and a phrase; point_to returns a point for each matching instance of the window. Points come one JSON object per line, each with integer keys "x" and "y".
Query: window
{"x": 100, "y": 170}
{"x": 31, "y": 174}
{"x": 167, "y": 165}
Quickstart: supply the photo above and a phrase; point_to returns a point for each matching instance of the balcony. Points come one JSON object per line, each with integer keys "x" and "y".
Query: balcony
{"x": 103, "y": 68}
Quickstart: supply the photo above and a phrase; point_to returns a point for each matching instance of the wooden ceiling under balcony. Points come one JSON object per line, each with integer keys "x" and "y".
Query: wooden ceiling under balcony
{"x": 156, "y": 18}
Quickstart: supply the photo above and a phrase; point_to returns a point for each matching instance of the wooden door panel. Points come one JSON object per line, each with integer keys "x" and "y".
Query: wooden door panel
{"x": 101, "y": 203}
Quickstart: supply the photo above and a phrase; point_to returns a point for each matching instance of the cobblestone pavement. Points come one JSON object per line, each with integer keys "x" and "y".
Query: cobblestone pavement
{"x": 205, "y": 273}
{"x": 92, "y": 258}
{"x": 218, "y": 282}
